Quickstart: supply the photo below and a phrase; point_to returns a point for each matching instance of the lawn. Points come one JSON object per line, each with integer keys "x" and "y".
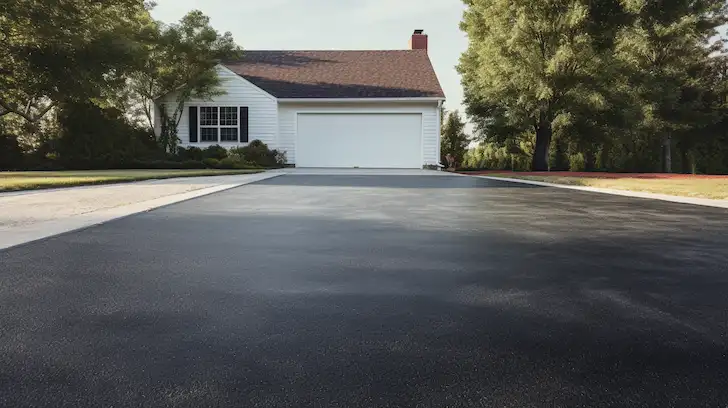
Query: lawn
{"x": 31, "y": 180}
{"x": 715, "y": 187}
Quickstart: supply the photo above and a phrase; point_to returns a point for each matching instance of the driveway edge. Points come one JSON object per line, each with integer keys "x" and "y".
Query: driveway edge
{"x": 706, "y": 202}
{"x": 34, "y": 232}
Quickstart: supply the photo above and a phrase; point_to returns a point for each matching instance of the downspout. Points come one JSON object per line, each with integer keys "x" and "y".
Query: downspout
{"x": 439, "y": 134}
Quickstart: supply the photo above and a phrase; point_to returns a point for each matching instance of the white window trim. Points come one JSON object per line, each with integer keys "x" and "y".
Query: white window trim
{"x": 200, "y": 126}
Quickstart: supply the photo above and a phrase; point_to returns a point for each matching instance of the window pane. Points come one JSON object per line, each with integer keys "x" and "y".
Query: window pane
{"x": 208, "y": 134}
{"x": 229, "y": 134}
{"x": 208, "y": 116}
{"x": 228, "y": 116}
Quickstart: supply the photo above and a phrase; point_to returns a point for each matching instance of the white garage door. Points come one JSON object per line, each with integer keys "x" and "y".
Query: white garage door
{"x": 359, "y": 140}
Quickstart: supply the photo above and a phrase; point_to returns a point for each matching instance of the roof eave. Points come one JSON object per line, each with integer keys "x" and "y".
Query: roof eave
{"x": 412, "y": 99}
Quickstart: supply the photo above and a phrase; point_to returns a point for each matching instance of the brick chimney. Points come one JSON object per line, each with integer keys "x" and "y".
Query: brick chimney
{"x": 419, "y": 40}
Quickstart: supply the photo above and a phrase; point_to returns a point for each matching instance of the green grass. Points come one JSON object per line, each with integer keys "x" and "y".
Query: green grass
{"x": 32, "y": 180}
{"x": 714, "y": 188}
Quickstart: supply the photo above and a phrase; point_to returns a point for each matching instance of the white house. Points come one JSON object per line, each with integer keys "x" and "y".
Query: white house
{"x": 368, "y": 109}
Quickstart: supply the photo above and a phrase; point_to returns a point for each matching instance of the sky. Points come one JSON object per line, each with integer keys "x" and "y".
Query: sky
{"x": 338, "y": 25}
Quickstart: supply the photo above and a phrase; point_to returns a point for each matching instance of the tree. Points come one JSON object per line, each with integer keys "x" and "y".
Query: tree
{"x": 181, "y": 66}
{"x": 59, "y": 50}
{"x": 454, "y": 140}
{"x": 667, "y": 47}
{"x": 91, "y": 136}
{"x": 526, "y": 62}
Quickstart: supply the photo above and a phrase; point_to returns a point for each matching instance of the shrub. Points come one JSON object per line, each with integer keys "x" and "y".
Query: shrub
{"x": 155, "y": 164}
{"x": 559, "y": 159}
{"x": 235, "y": 162}
{"x": 237, "y": 151}
{"x": 215, "y": 152}
{"x": 280, "y": 157}
{"x": 229, "y": 163}
{"x": 191, "y": 153}
{"x": 211, "y": 163}
{"x": 92, "y": 136}
{"x": 576, "y": 162}
{"x": 258, "y": 153}
{"x": 192, "y": 164}
{"x": 11, "y": 156}
{"x": 235, "y": 156}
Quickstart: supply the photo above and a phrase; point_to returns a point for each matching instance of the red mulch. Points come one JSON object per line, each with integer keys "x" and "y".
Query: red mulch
{"x": 599, "y": 175}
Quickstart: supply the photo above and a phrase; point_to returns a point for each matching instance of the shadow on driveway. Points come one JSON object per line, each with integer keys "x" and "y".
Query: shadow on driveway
{"x": 393, "y": 181}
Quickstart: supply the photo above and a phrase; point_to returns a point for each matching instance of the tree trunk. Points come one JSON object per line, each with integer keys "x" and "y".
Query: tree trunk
{"x": 685, "y": 165}
{"x": 590, "y": 160}
{"x": 605, "y": 157}
{"x": 667, "y": 153}
{"x": 543, "y": 142}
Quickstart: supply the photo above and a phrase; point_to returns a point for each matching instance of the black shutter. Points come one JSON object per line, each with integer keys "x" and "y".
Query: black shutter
{"x": 193, "y": 124}
{"x": 244, "y": 124}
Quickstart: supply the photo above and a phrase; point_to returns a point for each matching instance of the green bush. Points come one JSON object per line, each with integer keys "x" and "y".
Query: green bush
{"x": 493, "y": 157}
{"x": 96, "y": 137}
{"x": 215, "y": 152}
{"x": 191, "y": 164}
{"x": 234, "y": 161}
{"x": 211, "y": 163}
{"x": 258, "y": 153}
{"x": 191, "y": 153}
{"x": 11, "y": 155}
{"x": 558, "y": 156}
{"x": 237, "y": 151}
{"x": 231, "y": 163}
{"x": 576, "y": 162}
{"x": 235, "y": 156}
{"x": 161, "y": 165}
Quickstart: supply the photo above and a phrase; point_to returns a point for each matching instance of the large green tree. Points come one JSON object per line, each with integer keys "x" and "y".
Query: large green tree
{"x": 667, "y": 47}
{"x": 526, "y": 63}
{"x": 181, "y": 66}
{"x": 60, "y": 50}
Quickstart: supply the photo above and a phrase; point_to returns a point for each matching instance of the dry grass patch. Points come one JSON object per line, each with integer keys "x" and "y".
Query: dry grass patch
{"x": 31, "y": 180}
{"x": 715, "y": 188}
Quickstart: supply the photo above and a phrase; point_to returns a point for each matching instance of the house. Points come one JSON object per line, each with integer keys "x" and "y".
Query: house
{"x": 368, "y": 109}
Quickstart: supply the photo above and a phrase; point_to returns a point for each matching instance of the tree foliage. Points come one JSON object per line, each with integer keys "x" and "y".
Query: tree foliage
{"x": 454, "y": 141}
{"x": 180, "y": 66}
{"x": 618, "y": 83}
{"x": 61, "y": 50}
{"x": 79, "y": 78}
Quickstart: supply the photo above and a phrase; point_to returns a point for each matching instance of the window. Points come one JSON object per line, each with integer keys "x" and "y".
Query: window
{"x": 219, "y": 124}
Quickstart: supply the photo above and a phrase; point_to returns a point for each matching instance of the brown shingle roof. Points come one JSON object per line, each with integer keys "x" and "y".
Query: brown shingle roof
{"x": 340, "y": 74}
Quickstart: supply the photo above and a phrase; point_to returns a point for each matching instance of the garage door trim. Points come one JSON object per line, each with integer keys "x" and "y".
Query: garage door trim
{"x": 362, "y": 112}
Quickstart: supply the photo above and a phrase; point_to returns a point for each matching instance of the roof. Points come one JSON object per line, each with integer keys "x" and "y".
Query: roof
{"x": 340, "y": 74}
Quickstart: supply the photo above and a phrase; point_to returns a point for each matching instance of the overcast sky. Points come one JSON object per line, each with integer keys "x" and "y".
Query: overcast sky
{"x": 338, "y": 24}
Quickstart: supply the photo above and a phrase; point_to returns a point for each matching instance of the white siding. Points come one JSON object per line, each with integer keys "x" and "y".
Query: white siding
{"x": 287, "y": 113}
{"x": 262, "y": 110}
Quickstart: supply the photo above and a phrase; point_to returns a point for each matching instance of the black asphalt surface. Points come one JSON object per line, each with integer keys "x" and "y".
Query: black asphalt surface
{"x": 374, "y": 291}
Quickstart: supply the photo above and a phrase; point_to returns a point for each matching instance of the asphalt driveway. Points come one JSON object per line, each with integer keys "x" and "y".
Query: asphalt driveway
{"x": 374, "y": 291}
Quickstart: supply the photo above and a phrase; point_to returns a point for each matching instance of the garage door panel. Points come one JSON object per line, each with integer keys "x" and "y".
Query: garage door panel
{"x": 359, "y": 140}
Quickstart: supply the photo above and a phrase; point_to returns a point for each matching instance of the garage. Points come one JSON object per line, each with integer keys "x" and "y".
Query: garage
{"x": 365, "y": 140}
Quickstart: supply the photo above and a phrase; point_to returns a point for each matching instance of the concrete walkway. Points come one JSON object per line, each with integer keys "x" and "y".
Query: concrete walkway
{"x": 32, "y": 215}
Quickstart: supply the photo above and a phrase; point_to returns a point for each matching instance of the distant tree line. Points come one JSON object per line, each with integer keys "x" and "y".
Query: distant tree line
{"x": 617, "y": 85}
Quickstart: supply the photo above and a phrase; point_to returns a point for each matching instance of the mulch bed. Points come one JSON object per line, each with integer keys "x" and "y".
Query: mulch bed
{"x": 597, "y": 175}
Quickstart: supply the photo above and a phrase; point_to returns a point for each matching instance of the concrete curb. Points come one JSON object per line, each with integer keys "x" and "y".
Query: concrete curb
{"x": 28, "y": 233}
{"x": 626, "y": 193}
